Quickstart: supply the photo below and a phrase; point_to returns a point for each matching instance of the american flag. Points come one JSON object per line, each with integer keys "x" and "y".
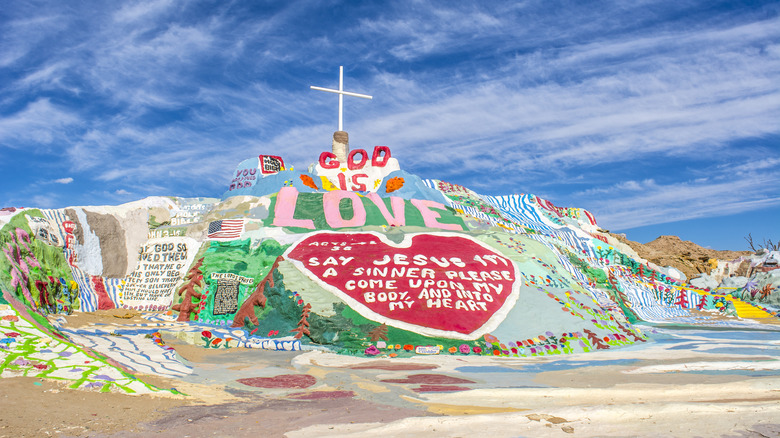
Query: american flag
{"x": 226, "y": 229}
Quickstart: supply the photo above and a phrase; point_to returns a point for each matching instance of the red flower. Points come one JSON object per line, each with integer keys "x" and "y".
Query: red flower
{"x": 477, "y": 350}
{"x": 206, "y": 333}
{"x": 12, "y": 334}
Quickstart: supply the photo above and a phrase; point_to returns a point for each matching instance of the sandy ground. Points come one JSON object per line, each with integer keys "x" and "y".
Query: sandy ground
{"x": 685, "y": 383}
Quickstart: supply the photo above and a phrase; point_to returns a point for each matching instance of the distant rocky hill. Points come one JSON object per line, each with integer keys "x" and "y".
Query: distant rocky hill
{"x": 684, "y": 255}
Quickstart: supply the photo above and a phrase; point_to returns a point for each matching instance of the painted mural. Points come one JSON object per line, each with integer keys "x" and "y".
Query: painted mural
{"x": 357, "y": 257}
{"x": 438, "y": 284}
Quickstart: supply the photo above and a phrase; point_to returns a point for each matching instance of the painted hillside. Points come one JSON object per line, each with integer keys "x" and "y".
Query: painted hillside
{"x": 353, "y": 255}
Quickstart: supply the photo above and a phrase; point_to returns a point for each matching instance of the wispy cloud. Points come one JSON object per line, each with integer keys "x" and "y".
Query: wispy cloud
{"x": 38, "y": 124}
{"x": 643, "y": 112}
{"x": 744, "y": 186}
{"x": 67, "y": 180}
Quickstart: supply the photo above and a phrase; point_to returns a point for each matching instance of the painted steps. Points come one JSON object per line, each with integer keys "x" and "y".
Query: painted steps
{"x": 747, "y": 310}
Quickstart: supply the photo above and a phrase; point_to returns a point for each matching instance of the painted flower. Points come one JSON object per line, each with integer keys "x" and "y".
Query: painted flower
{"x": 372, "y": 350}
{"x": 206, "y": 333}
{"x": 465, "y": 349}
{"x": 408, "y": 347}
{"x": 216, "y": 341}
{"x": 453, "y": 350}
{"x": 12, "y": 334}
{"x": 477, "y": 350}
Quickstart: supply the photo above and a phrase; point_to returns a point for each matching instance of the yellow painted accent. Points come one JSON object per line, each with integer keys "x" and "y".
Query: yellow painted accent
{"x": 373, "y": 387}
{"x": 317, "y": 372}
{"x": 327, "y": 185}
{"x": 746, "y": 310}
{"x": 446, "y": 409}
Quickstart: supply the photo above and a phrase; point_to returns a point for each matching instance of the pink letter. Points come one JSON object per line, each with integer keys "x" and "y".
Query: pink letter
{"x": 429, "y": 217}
{"x": 285, "y": 209}
{"x": 330, "y": 203}
{"x": 398, "y": 218}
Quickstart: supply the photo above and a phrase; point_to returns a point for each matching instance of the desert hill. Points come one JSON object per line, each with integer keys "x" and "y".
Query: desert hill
{"x": 354, "y": 256}
{"x": 686, "y": 256}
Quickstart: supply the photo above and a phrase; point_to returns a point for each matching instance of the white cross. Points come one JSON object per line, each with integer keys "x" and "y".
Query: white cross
{"x": 341, "y": 94}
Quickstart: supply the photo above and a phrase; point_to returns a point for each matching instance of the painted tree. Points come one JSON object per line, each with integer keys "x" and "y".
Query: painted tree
{"x": 247, "y": 310}
{"x": 303, "y": 324}
{"x": 629, "y": 332}
{"x": 702, "y": 302}
{"x": 378, "y": 333}
{"x": 682, "y": 299}
{"x": 188, "y": 305}
{"x": 595, "y": 341}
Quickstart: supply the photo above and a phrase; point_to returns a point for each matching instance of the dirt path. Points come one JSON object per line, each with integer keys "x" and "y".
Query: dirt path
{"x": 685, "y": 383}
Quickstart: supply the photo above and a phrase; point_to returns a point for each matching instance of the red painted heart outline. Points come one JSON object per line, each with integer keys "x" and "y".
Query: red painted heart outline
{"x": 315, "y": 253}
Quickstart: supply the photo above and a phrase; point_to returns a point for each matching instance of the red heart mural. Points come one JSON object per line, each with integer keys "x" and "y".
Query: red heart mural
{"x": 438, "y": 284}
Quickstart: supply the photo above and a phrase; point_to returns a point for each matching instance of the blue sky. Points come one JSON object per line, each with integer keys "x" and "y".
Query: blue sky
{"x": 661, "y": 117}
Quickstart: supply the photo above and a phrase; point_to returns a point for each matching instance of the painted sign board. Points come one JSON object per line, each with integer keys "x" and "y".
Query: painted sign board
{"x": 436, "y": 284}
